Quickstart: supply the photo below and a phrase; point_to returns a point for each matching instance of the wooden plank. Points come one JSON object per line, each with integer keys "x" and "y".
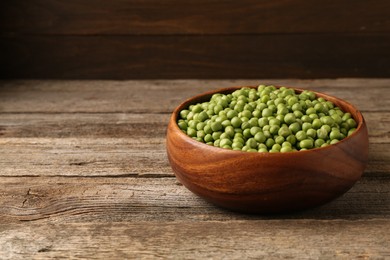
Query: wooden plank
{"x": 122, "y": 125}
{"x": 99, "y": 200}
{"x": 88, "y": 17}
{"x": 162, "y": 96}
{"x": 126, "y": 157}
{"x": 198, "y": 56}
{"x": 277, "y": 239}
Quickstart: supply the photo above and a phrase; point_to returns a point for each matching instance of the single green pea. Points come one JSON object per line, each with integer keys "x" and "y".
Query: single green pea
{"x": 274, "y": 129}
{"x": 300, "y": 135}
{"x": 306, "y": 143}
{"x": 291, "y": 139}
{"x": 306, "y": 126}
{"x": 254, "y": 121}
{"x": 322, "y": 133}
{"x": 311, "y": 133}
{"x": 200, "y": 126}
{"x": 337, "y": 119}
{"x": 226, "y": 123}
{"x": 229, "y": 130}
{"x": 266, "y": 112}
{"x": 290, "y": 118}
{"x": 306, "y": 118}
{"x": 184, "y": 113}
{"x": 351, "y": 123}
{"x": 207, "y": 129}
{"x": 276, "y": 147}
{"x": 260, "y": 137}
{"x": 238, "y": 139}
{"x": 251, "y": 142}
{"x": 285, "y": 149}
{"x": 327, "y": 128}
{"x": 231, "y": 114}
{"x": 216, "y": 126}
{"x": 279, "y": 139}
{"x": 269, "y": 143}
{"x": 284, "y": 131}
{"x": 237, "y": 145}
{"x": 263, "y": 122}
{"x": 225, "y": 141}
{"x": 247, "y": 133}
{"x": 182, "y": 125}
{"x": 316, "y": 124}
{"x": 200, "y": 134}
{"x": 333, "y": 141}
{"x": 319, "y": 142}
{"x": 334, "y": 134}
{"x": 216, "y": 135}
{"x": 254, "y": 130}
{"x": 327, "y": 120}
{"x": 236, "y": 121}
{"x": 191, "y": 132}
{"x": 351, "y": 131}
{"x": 245, "y": 125}
{"x": 346, "y": 116}
{"x": 208, "y": 138}
{"x": 262, "y": 150}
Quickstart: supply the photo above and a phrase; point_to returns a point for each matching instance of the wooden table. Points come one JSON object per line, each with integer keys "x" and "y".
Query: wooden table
{"x": 84, "y": 174}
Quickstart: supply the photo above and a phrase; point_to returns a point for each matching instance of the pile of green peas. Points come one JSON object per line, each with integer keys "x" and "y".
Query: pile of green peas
{"x": 266, "y": 119}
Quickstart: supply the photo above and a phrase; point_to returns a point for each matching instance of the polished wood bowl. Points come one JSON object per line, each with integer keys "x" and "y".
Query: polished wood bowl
{"x": 267, "y": 182}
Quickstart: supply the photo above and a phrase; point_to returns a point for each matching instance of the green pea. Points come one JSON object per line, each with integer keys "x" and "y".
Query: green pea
{"x": 260, "y": 137}
{"x": 226, "y": 123}
{"x": 225, "y": 141}
{"x": 322, "y": 133}
{"x": 229, "y": 130}
{"x": 300, "y": 135}
{"x": 311, "y": 133}
{"x": 334, "y": 134}
{"x": 191, "y": 132}
{"x": 351, "y": 123}
{"x": 263, "y": 122}
{"x": 182, "y": 125}
{"x": 251, "y": 142}
{"x": 316, "y": 124}
{"x": 319, "y": 142}
{"x": 237, "y": 145}
{"x": 327, "y": 120}
{"x": 276, "y": 147}
{"x": 216, "y": 135}
{"x": 351, "y": 131}
{"x": 216, "y": 126}
{"x": 306, "y": 126}
{"x": 247, "y": 133}
{"x": 255, "y": 130}
{"x": 269, "y": 142}
{"x": 286, "y": 149}
{"x": 208, "y": 138}
{"x": 266, "y": 112}
{"x": 279, "y": 139}
{"x": 306, "y": 143}
{"x": 291, "y": 139}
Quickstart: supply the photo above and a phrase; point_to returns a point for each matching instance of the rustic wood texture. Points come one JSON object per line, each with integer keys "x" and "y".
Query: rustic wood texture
{"x": 89, "y": 17}
{"x": 213, "y": 56}
{"x": 134, "y": 39}
{"x": 84, "y": 174}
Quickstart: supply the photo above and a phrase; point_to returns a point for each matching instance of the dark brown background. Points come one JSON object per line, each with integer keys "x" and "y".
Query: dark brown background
{"x": 131, "y": 39}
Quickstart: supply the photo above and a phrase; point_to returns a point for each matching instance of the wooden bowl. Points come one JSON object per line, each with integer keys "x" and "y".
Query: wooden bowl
{"x": 267, "y": 182}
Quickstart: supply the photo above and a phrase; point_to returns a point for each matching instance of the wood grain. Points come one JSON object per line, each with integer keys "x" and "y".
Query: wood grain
{"x": 84, "y": 174}
{"x": 277, "y": 239}
{"x": 104, "y": 200}
{"x": 88, "y": 17}
{"x": 195, "y": 56}
{"x": 162, "y": 96}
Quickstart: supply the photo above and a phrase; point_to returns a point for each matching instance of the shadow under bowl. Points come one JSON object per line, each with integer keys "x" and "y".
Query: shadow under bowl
{"x": 267, "y": 182}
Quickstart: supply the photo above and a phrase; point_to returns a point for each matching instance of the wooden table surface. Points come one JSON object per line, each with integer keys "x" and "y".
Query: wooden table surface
{"x": 84, "y": 174}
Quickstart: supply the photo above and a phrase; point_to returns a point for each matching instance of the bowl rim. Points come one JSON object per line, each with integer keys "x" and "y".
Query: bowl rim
{"x": 356, "y": 114}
